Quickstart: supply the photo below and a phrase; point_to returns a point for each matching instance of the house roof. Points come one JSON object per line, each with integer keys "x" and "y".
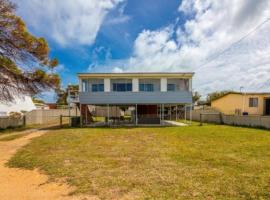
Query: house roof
{"x": 136, "y": 74}
{"x": 243, "y": 93}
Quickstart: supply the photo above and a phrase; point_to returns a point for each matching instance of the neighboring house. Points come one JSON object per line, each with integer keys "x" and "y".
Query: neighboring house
{"x": 22, "y": 104}
{"x": 146, "y": 95}
{"x": 41, "y": 106}
{"x": 239, "y": 103}
{"x": 52, "y": 105}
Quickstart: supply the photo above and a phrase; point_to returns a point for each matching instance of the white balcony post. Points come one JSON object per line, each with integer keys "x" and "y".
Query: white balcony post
{"x": 107, "y": 85}
{"x": 190, "y": 84}
{"x": 80, "y": 85}
{"x": 163, "y": 84}
{"x": 135, "y": 85}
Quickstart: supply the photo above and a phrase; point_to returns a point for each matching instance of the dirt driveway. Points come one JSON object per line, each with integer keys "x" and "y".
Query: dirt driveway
{"x": 26, "y": 184}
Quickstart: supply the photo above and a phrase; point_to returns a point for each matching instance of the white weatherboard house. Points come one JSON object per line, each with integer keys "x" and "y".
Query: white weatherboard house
{"x": 18, "y": 105}
{"x": 133, "y": 98}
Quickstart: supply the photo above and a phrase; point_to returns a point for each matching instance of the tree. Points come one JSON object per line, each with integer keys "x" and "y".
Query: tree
{"x": 196, "y": 97}
{"x": 63, "y": 94}
{"x": 215, "y": 95}
{"x": 62, "y": 97}
{"x": 36, "y": 100}
{"x": 25, "y": 68}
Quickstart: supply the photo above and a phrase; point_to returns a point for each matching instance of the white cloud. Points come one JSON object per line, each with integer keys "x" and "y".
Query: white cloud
{"x": 67, "y": 22}
{"x": 119, "y": 17}
{"x": 211, "y": 27}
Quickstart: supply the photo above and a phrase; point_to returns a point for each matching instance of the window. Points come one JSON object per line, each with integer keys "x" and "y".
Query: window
{"x": 149, "y": 85}
{"x": 171, "y": 87}
{"x": 253, "y": 102}
{"x": 97, "y": 87}
{"x": 177, "y": 84}
{"x": 146, "y": 87}
{"x": 122, "y": 87}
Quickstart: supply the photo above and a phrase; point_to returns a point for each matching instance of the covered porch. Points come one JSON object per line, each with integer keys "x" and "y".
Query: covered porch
{"x": 132, "y": 114}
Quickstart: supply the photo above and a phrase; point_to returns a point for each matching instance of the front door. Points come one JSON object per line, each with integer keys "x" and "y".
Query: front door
{"x": 267, "y": 106}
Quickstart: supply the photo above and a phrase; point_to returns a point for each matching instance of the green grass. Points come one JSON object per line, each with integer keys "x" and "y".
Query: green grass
{"x": 13, "y": 133}
{"x": 11, "y": 137}
{"x": 13, "y": 129}
{"x": 195, "y": 162}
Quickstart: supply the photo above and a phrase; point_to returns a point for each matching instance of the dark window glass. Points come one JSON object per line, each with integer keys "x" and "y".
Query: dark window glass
{"x": 146, "y": 87}
{"x": 98, "y": 88}
{"x": 171, "y": 87}
{"x": 101, "y": 87}
{"x": 122, "y": 87}
{"x": 253, "y": 102}
{"x": 114, "y": 87}
{"x": 141, "y": 87}
{"x": 129, "y": 87}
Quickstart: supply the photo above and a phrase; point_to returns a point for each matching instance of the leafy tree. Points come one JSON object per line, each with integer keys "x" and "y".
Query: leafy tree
{"x": 25, "y": 68}
{"x": 61, "y": 97}
{"x": 196, "y": 97}
{"x": 36, "y": 100}
{"x": 215, "y": 95}
{"x": 63, "y": 94}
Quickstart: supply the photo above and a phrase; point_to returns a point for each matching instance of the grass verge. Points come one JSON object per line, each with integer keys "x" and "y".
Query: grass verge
{"x": 193, "y": 162}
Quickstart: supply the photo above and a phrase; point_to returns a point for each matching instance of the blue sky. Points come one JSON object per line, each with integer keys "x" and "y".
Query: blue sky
{"x": 157, "y": 35}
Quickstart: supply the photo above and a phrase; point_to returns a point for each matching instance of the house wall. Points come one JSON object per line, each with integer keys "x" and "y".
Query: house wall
{"x": 229, "y": 103}
{"x": 135, "y": 79}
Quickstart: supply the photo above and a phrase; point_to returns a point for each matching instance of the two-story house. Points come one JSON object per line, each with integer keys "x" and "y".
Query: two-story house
{"x": 146, "y": 96}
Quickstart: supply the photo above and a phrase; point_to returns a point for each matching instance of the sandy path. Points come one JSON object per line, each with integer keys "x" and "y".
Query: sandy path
{"x": 20, "y": 184}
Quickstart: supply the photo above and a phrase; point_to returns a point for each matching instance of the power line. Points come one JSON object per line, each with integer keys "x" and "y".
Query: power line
{"x": 234, "y": 43}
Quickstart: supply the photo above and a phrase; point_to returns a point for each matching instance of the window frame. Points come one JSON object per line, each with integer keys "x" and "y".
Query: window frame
{"x": 253, "y": 102}
{"x": 168, "y": 87}
{"x": 122, "y": 87}
{"x": 146, "y": 87}
{"x": 99, "y": 87}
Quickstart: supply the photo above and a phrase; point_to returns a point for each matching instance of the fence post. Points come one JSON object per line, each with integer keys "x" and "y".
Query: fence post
{"x": 221, "y": 118}
{"x": 201, "y": 119}
{"x": 24, "y": 120}
{"x": 60, "y": 121}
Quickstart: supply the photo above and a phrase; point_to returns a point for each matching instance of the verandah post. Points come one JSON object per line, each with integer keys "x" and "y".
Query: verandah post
{"x": 136, "y": 115}
{"x": 81, "y": 117}
{"x": 108, "y": 114}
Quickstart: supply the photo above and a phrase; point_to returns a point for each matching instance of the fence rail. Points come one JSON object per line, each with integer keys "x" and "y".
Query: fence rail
{"x": 208, "y": 116}
{"x": 7, "y": 122}
{"x": 48, "y": 116}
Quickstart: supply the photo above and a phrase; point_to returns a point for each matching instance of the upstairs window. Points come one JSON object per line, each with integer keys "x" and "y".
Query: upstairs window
{"x": 149, "y": 85}
{"x": 122, "y": 87}
{"x": 146, "y": 87}
{"x": 97, "y": 87}
{"x": 177, "y": 84}
{"x": 171, "y": 87}
{"x": 253, "y": 102}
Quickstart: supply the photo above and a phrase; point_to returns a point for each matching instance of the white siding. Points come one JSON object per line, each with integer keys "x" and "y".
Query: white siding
{"x": 107, "y": 85}
{"x": 190, "y": 85}
{"x": 135, "y": 85}
{"x": 163, "y": 84}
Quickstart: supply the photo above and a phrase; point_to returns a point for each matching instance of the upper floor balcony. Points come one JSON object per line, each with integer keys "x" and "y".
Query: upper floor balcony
{"x": 140, "y": 88}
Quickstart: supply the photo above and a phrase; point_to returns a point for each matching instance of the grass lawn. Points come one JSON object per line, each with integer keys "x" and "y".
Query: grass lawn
{"x": 11, "y": 137}
{"x": 208, "y": 162}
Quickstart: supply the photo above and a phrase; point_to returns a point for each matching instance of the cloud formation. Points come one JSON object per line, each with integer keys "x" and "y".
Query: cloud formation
{"x": 211, "y": 27}
{"x": 67, "y": 22}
